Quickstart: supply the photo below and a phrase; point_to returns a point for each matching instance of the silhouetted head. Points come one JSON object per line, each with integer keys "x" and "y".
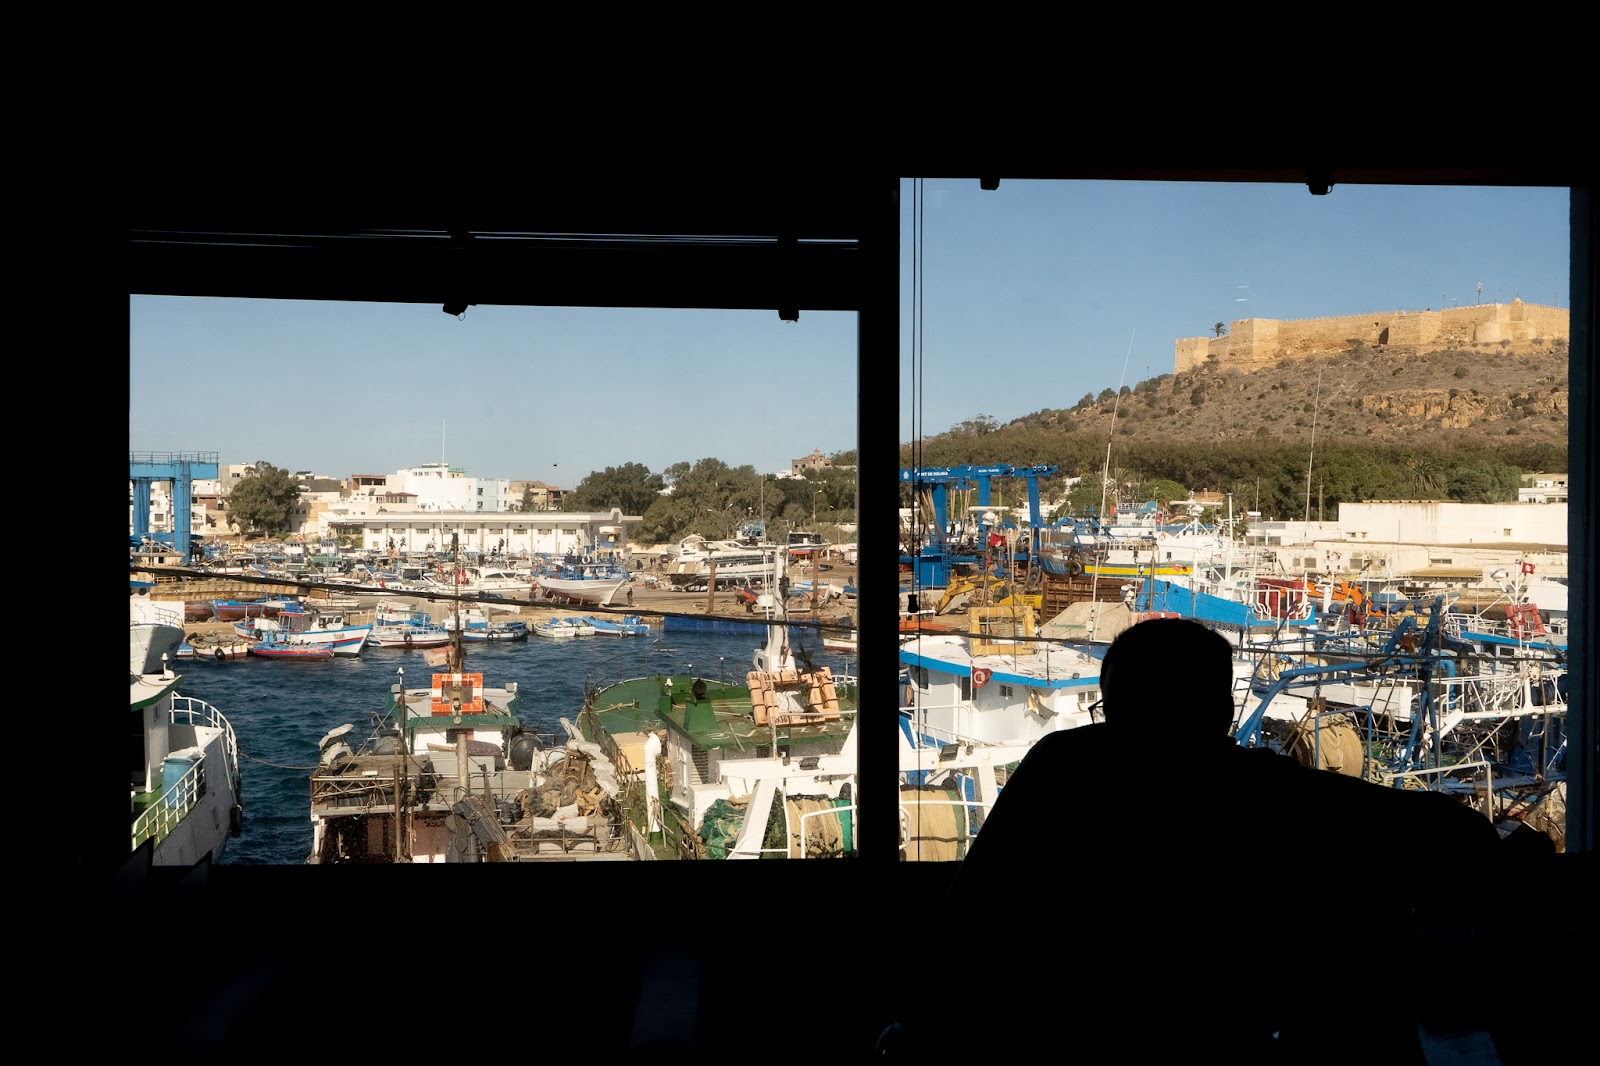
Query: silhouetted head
{"x": 1171, "y": 677}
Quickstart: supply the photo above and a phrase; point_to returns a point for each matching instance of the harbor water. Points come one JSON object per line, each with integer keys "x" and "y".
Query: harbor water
{"x": 280, "y": 710}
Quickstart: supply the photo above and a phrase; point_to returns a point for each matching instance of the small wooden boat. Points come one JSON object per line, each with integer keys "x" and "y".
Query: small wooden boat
{"x": 218, "y": 648}
{"x": 555, "y": 628}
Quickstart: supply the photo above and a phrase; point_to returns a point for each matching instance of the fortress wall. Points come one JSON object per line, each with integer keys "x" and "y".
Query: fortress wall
{"x": 1193, "y": 351}
{"x": 1540, "y": 322}
{"x": 1253, "y": 343}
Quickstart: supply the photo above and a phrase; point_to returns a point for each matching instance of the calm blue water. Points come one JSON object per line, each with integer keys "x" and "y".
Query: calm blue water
{"x": 281, "y": 709}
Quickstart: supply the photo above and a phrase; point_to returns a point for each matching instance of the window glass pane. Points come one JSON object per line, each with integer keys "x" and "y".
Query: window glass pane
{"x": 1307, "y": 420}
{"x": 684, "y": 461}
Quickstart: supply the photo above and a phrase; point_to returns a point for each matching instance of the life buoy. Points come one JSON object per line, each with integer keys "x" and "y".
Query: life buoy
{"x": 1161, "y": 536}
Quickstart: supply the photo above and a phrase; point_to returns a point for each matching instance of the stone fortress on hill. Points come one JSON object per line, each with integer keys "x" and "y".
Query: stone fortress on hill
{"x": 1254, "y": 343}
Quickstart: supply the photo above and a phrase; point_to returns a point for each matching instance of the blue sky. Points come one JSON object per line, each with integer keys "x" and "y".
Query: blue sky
{"x": 506, "y": 392}
{"x": 1031, "y": 295}
{"x": 1038, "y": 292}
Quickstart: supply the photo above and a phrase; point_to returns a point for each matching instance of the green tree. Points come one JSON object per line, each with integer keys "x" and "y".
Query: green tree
{"x": 632, "y": 488}
{"x": 530, "y": 499}
{"x": 263, "y": 500}
{"x": 1220, "y": 328}
{"x": 1164, "y": 492}
{"x": 709, "y": 498}
{"x": 980, "y": 426}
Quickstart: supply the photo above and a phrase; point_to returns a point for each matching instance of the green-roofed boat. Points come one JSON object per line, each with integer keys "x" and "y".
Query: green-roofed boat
{"x": 762, "y": 769}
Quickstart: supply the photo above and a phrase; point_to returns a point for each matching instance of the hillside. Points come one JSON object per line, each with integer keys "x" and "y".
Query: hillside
{"x": 1442, "y": 399}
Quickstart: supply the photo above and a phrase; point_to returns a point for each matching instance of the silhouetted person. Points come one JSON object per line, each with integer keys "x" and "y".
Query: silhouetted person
{"x": 1199, "y": 895}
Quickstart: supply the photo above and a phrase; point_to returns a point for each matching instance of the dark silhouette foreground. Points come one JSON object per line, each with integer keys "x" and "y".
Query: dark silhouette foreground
{"x": 1161, "y": 889}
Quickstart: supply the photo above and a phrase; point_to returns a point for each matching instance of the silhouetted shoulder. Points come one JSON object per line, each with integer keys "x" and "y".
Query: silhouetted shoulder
{"x": 1030, "y": 820}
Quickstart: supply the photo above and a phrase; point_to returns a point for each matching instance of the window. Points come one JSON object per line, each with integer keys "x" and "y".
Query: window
{"x": 877, "y": 340}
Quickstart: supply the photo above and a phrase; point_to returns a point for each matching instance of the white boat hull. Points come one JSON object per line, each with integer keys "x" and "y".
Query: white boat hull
{"x": 595, "y": 592}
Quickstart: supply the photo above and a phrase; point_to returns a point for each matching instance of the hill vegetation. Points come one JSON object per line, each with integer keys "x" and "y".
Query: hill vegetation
{"x": 1390, "y": 423}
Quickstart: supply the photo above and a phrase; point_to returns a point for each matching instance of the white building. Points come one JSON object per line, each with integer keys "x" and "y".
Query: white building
{"x": 442, "y": 487}
{"x": 417, "y": 529}
{"x": 1543, "y": 488}
{"x": 1422, "y": 538}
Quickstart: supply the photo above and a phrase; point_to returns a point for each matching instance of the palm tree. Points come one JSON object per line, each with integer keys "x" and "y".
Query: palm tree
{"x": 1221, "y": 328}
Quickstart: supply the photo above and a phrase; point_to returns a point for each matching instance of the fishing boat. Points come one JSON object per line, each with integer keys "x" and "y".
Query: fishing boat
{"x": 307, "y": 625}
{"x": 578, "y": 579}
{"x": 276, "y": 649}
{"x": 695, "y": 562}
{"x": 477, "y": 628}
{"x": 450, "y": 774}
{"x": 997, "y": 684}
{"x": 841, "y": 642}
{"x": 154, "y": 628}
{"x": 758, "y": 769}
{"x": 236, "y": 610}
{"x": 627, "y": 626}
{"x": 479, "y": 581}
{"x": 184, "y": 774}
{"x": 405, "y": 626}
{"x": 580, "y": 627}
{"x": 555, "y": 629}
{"x": 1420, "y": 699}
{"x": 215, "y": 647}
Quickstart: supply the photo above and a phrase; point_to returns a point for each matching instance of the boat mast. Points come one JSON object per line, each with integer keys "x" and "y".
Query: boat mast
{"x": 457, "y": 645}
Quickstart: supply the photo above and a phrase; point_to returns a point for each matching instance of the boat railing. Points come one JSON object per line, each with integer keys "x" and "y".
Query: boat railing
{"x": 928, "y": 736}
{"x": 179, "y": 797}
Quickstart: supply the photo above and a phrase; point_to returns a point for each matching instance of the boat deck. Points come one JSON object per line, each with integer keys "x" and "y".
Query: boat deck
{"x": 721, "y": 719}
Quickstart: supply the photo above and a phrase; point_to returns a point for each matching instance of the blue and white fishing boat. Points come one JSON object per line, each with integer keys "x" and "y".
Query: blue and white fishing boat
{"x": 477, "y": 628}
{"x": 307, "y": 626}
{"x": 556, "y": 629}
{"x": 235, "y": 610}
{"x": 405, "y": 626}
{"x": 628, "y": 626}
{"x": 591, "y": 580}
{"x": 968, "y": 688}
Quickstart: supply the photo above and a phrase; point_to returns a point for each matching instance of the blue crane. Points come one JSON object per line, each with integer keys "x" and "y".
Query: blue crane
{"x": 930, "y": 487}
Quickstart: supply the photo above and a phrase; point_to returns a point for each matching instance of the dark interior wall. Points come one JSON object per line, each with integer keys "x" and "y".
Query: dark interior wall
{"x": 286, "y": 923}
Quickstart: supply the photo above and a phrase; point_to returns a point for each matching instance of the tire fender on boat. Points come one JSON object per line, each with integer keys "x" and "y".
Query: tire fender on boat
{"x": 219, "y": 655}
